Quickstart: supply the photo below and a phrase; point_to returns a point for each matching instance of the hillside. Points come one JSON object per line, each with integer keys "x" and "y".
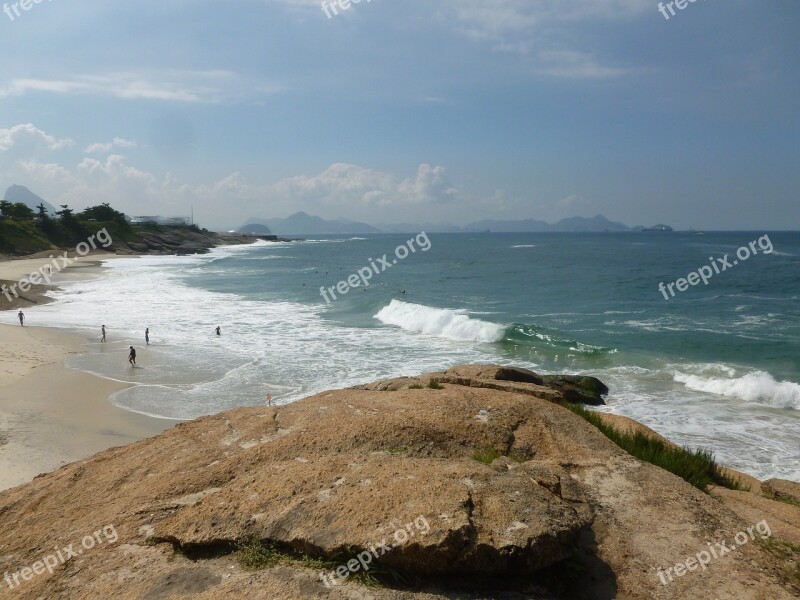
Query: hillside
{"x": 302, "y": 223}
{"x": 24, "y": 231}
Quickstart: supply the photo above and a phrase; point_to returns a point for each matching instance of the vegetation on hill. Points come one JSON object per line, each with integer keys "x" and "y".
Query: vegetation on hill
{"x": 25, "y": 231}
{"x": 697, "y": 467}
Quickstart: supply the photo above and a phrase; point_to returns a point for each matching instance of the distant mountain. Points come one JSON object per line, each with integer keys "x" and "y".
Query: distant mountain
{"x": 582, "y": 224}
{"x": 304, "y": 224}
{"x": 658, "y": 227}
{"x": 522, "y": 226}
{"x": 417, "y": 227}
{"x": 19, "y": 193}
{"x": 578, "y": 224}
{"x": 255, "y": 229}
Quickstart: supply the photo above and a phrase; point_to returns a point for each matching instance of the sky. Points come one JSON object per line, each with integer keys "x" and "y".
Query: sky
{"x": 408, "y": 111}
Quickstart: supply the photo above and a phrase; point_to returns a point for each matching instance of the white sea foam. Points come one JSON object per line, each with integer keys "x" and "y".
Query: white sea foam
{"x": 294, "y": 349}
{"x": 758, "y": 386}
{"x": 439, "y": 322}
{"x": 288, "y": 349}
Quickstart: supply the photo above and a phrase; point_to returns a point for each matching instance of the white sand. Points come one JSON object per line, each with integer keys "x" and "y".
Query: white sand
{"x": 51, "y": 415}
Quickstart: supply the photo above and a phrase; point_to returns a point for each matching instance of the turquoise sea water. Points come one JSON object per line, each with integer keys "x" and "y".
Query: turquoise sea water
{"x": 716, "y": 366}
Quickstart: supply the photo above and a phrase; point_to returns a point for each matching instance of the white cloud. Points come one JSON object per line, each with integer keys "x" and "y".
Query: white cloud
{"x": 545, "y": 31}
{"x": 213, "y": 86}
{"x": 502, "y": 17}
{"x": 117, "y": 142}
{"x": 27, "y": 138}
{"x": 430, "y": 186}
{"x": 344, "y": 184}
{"x": 576, "y": 65}
{"x": 340, "y": 190}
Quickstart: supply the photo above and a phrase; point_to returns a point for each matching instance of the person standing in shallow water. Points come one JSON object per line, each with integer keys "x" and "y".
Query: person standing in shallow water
{"x": 219, "y": 331}
{"x": 103, "y": 329}
{"x": 132, "y": 356}
{"x": 21, "y": 317}
{"x": 147, "y": 336}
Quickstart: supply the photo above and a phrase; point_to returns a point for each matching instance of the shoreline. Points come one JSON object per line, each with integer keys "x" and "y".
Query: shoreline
{"x": 27, "y": 429}
{"x": 50, "y": 414}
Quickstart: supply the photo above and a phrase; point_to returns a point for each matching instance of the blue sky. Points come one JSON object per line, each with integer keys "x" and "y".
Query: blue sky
{"x": 455, "y": 110}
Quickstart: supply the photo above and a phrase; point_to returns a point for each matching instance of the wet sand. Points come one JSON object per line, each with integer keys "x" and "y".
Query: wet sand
{"x": 51, "y": 415}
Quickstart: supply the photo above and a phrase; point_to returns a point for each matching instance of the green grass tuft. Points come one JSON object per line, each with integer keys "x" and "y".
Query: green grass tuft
{"x": 790, "y": 501}
{"x": 697, "y": 467}
{"x": 254, "y": 555}
{"x": 489, "y": 455}
{"x": 416, "y": 386}
{"x": 435, "y": 385}
{"x": 787, "y": 552}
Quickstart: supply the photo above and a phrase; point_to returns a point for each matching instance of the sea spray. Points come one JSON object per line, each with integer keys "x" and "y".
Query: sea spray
{"x": 439, "y": 322}
{"x": 757, "y": 387}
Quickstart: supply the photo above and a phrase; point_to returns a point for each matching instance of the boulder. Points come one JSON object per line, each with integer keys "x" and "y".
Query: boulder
{"x": 463, "y": 492}
{"x": 782, "y": 489}
{"x": 578, "y": 388}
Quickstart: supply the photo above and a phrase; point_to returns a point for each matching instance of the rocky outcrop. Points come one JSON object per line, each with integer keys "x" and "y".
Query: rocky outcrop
{"x": 556, "y": 388}
{"x": 780, "y": 489}
{"x": 175, "y": 240}
{"x": 519, "y": 497}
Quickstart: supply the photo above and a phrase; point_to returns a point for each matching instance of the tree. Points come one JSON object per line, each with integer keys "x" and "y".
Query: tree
{"x": 103, "y": 212}
{"x": 73, "y": 230}
{"x": 66, "y": 213}
{"x": 20, "y": 211}
{"x": 5, "y": 205}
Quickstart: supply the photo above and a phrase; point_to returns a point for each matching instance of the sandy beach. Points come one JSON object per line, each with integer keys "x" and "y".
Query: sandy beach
{"x": 51, "y": 415}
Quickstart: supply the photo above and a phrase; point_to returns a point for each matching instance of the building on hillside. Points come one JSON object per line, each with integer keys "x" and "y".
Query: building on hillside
{"x": 159, "y": 220}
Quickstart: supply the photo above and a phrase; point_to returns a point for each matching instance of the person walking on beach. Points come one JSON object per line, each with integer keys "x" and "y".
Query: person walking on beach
{"x": 147, "y": 336}
{"x": 219, "y": 331}
{"x": 132, "y": 356}
{"x": 103, "y": 339}
{"x": 21, "y": 317}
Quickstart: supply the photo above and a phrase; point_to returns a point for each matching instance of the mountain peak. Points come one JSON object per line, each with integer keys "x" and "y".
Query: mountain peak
{"x": 19, "y": 193}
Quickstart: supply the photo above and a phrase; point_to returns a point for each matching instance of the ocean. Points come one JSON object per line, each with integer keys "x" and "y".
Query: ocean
{"x": 716, "y": 366}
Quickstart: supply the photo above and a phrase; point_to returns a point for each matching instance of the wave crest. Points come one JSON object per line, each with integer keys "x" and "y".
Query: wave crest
{"x": 758, "y": 387}
{"x": 440, "y": 322}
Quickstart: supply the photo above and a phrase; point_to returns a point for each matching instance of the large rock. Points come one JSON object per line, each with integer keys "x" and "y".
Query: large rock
{"x": 577, "y": 388}
{"x": 782, "y": 489}
{"x": 557, "y": 388}
{"x": 559, "y": 511}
